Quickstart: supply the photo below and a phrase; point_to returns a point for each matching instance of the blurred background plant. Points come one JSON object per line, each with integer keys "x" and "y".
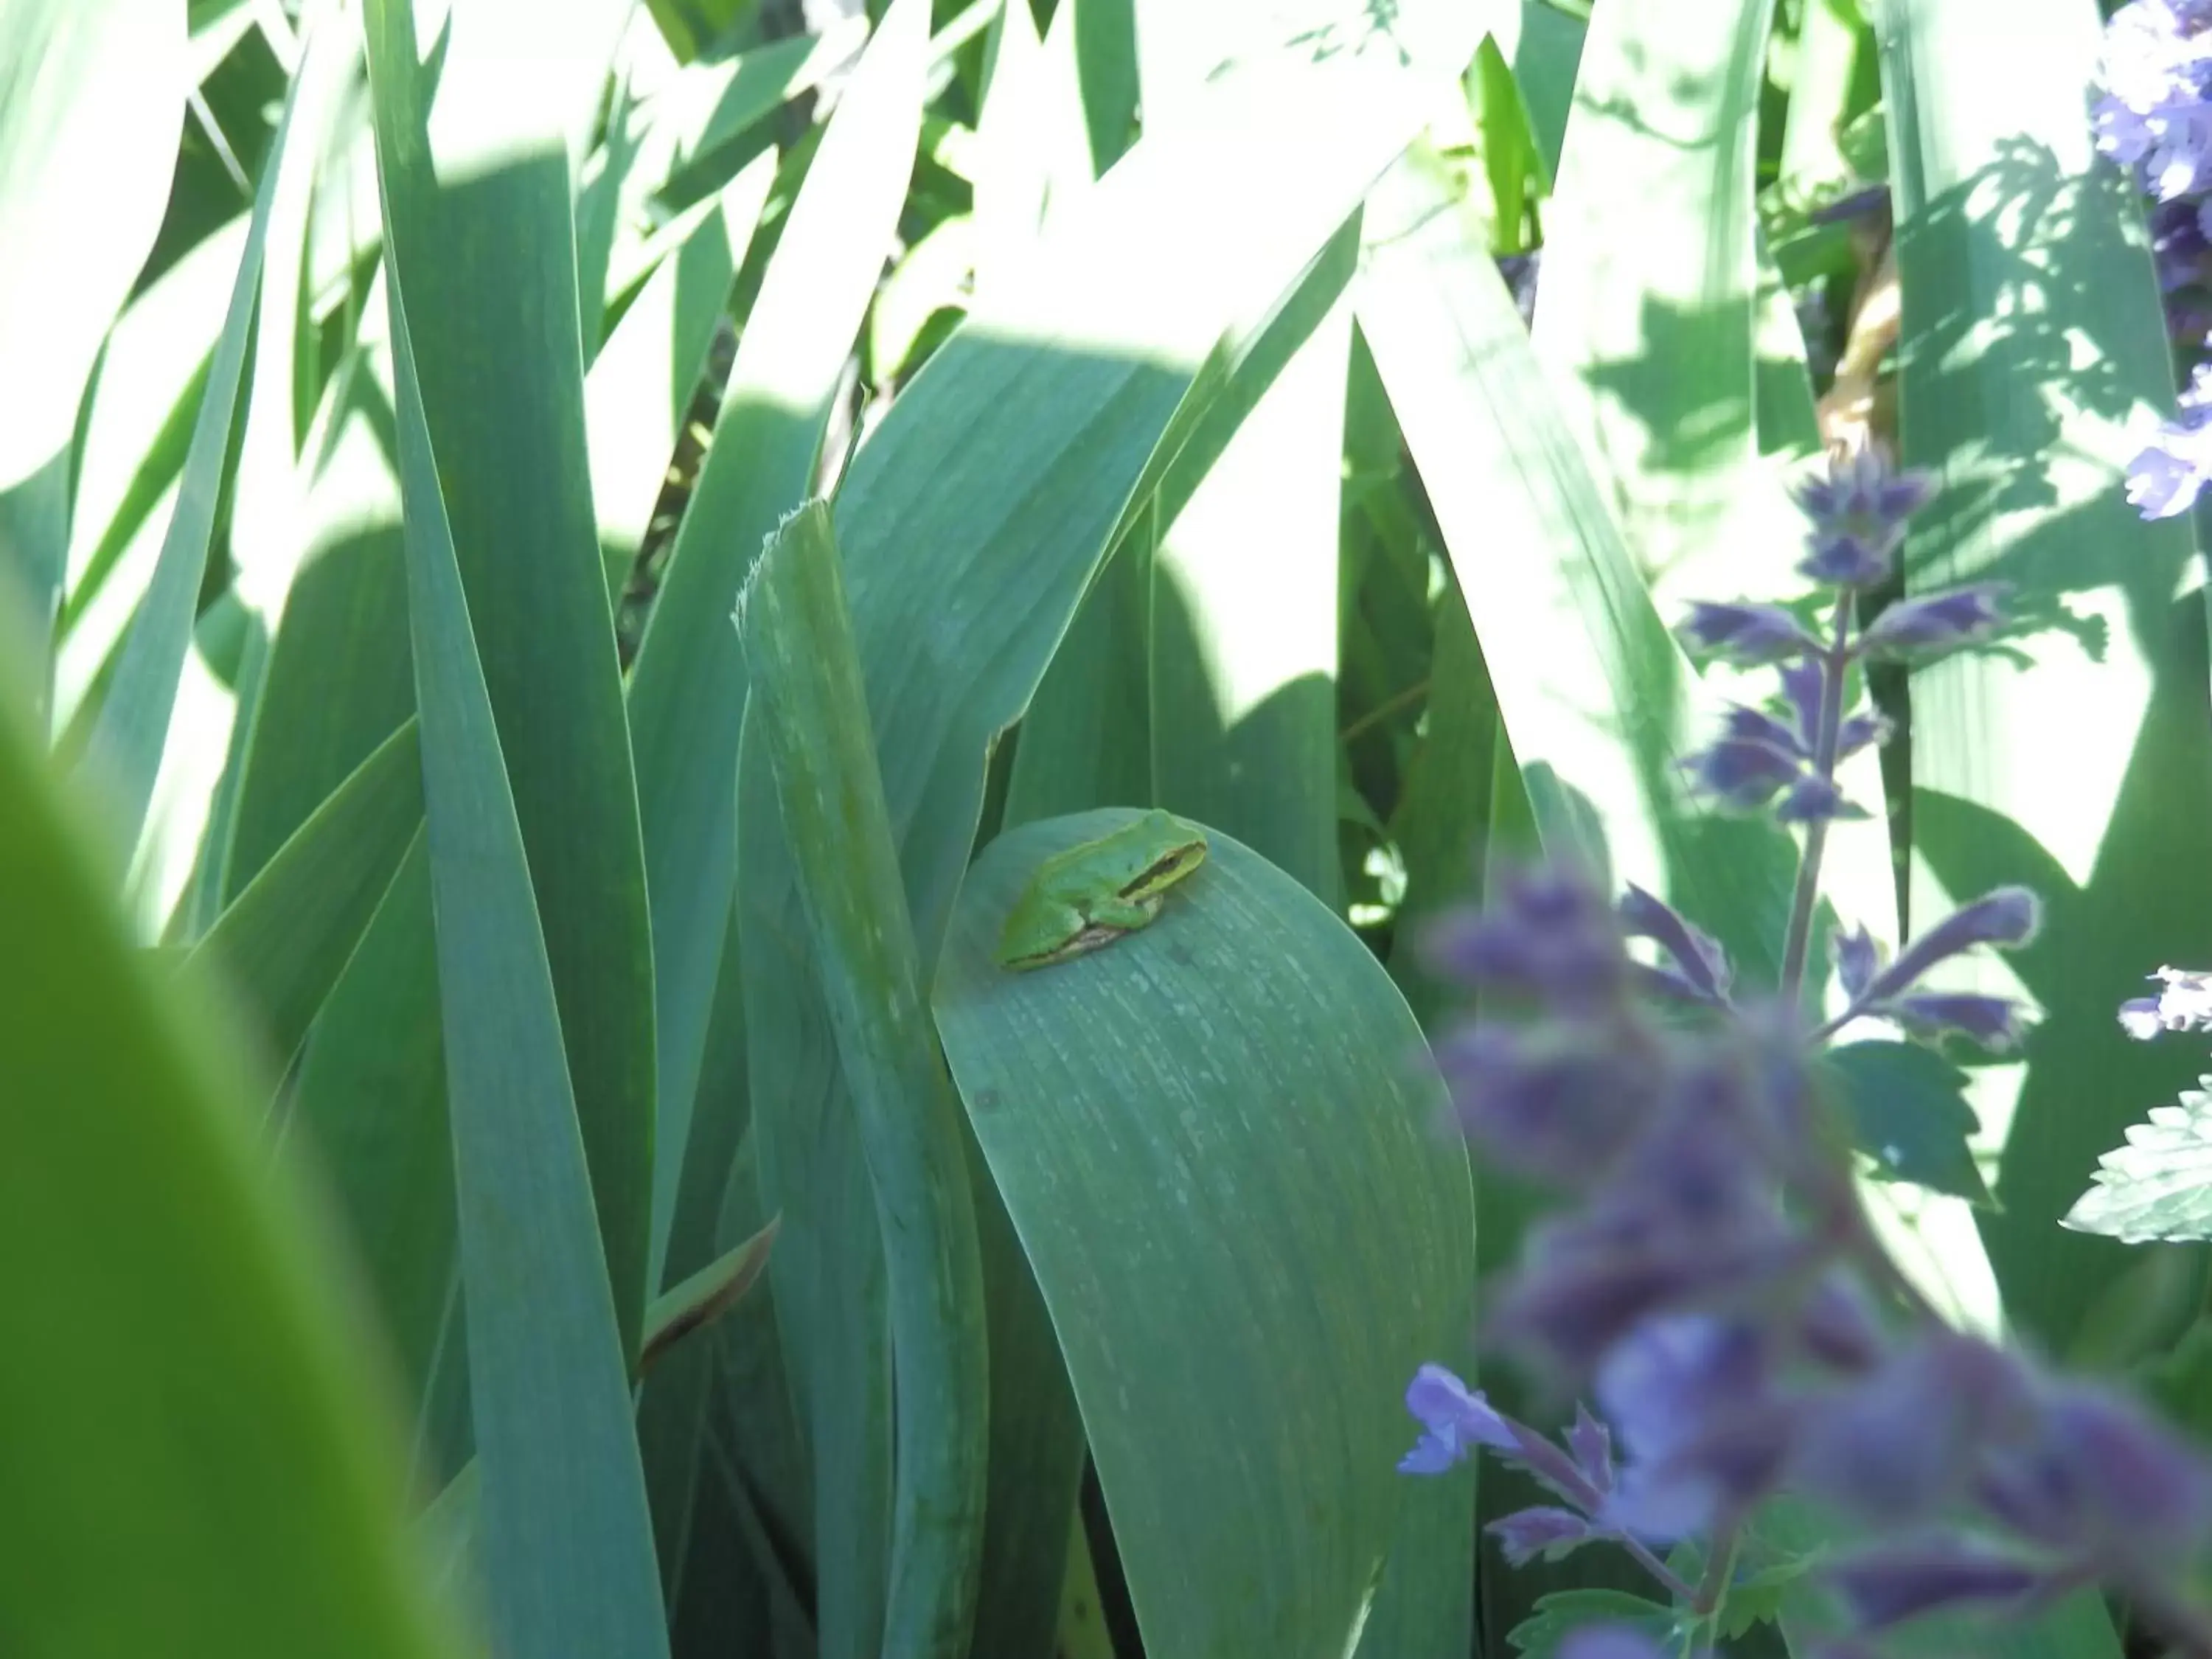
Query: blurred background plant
{"x": 476, "y": 1169}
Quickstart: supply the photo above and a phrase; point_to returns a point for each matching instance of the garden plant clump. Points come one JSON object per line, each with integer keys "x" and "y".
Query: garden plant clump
{"x": 738, "y": 748}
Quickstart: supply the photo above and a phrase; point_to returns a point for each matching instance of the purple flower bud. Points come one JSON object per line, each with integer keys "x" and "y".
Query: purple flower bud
{"x": 1526, "y": 1533}
{"x": 1816, "y": 800}
{"x": 1454, "y": 1421}
{"x": 1555, "y": 1101}
{"x": 2006, "y": 917}
{"x": 1591, "y": 1442}
{"x": 1993, "y": 1022}
{"x": 1697, "y": 955}
{"x": 1757, "y": 725}
{"x": 1916, "y": 630}
{"x": 1891, "y": 1583}
{"x": 1843, "y": 559}
{"x": 2185, "y": 1005}
{"x": 1858, "y": 958}
{"x": 1751, "y": 635}
{"x": 1740, "y": 775}
{"x": 1802, "y": 686}
{"x": 1862, "y": 731}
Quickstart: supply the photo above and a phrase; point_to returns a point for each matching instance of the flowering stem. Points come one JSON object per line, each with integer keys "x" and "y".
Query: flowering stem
{"x": 1835, "y": 664}
{"x": 1672, "y": 1581}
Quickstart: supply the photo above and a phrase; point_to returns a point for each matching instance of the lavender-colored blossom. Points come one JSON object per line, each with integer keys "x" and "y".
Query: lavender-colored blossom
{"x": 2178, "y": 243}
{"x": 1914, "y": 630}
{"x": 1859, "y": 514}
{"x": 1740, "y": 774}
{"x": 2185, "y": 1005}
{"x": 1890, "y": 1585}
{"x": 1591, "y": 1444}
{"x": 1548, "y": 934}
{"x": 1901, "y": 1444}
{"x": 1555, "y": 1105}
{"x": 1862, "y": 731}
{"x": 1814, "y": 799}
{"x": 1526, "y": 1533}
{"x": 1749, "y": 636}
{"x": 2167, "y": 474}
{"x": 1702, "y": 1430}
{"x": 1843, "y": 559}
{"x": 1803, "y": 685}
{"x": 1697, "y": 956}
{"x": 2004, "y": 917}
{"x": 2098, "y": 1482}
{"x": 1838, "y": 1327}
{"x": 1454, "y": 1421}
{"x": 1749, "y": 724}
{"x": 1858, "y": 959}
{"x": 1996, "y": 1022}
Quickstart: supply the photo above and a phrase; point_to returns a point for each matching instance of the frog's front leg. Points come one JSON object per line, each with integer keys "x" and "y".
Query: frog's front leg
{"x": 1115, "y": 911}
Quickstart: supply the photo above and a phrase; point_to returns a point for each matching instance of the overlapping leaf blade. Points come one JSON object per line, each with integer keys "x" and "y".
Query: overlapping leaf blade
{"x": 1219, "y": 1153}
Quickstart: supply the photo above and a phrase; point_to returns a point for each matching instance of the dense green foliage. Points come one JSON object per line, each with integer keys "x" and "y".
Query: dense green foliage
{"x": 459, "y": 893}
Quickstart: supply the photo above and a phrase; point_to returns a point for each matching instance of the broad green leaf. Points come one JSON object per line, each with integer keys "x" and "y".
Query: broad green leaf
{"x": 2158, "y": 1186}
{"x": 809, "y": 712}
{"x": 1596, "y": 699}
{"x": 687, "y": 690}
{"x": 1047, "y": 406}
{"x": 1649, "y": 280}
{"x": 1218, "y": 1152}
{"x": 1547, "y": 56}
{"x": 1907, "y": 1110}
{"x": 270, "y": 495}
{"x": 566, "y": 1544}
{"x": 92, "y": 98}
{"x": 200, "y": 1456}
{"x": 476, "y": 172}
{"x": 2064, "y": 757}
{"x": 288, "y": 937}
{"x": 126, "y": 749}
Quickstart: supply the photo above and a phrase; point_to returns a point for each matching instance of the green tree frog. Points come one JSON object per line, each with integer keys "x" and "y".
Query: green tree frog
{"x": 1091, "y": 895}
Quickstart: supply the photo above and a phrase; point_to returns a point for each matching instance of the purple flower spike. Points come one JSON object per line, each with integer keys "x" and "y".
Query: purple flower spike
{"x": 1996, "y": 1022}
{"x": 1858, "y": 513}
{"x": 2185, "y": 1005}
{"x": 2100, "y": 1481}
{"x": 1890, "y": 1585}
{"x": 1816, "y": 800}
{"x": 1526, "y": 1533}
{"x": 1918, "y": 629}
{"x": 2006, "y": 917}
{"x": 1740, "y": 775}
{"x": 1697, "y": 956}
{"x": 1750, "y": 635}
{"x": 1454, "y": 1421}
